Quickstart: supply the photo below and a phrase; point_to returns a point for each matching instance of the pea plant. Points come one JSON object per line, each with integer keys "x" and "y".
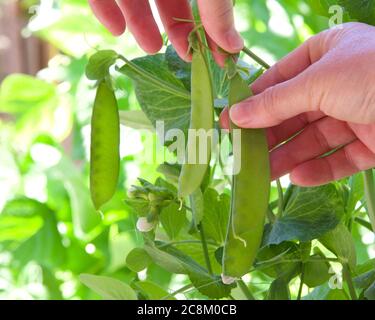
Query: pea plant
{"x": 233, "y": 236}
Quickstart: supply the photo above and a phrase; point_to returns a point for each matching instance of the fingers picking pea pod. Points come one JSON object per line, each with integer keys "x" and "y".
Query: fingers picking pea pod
{"x": 250, "y": 191}
{"x": 105, "y": 140}
{"x": 197, "y": 155}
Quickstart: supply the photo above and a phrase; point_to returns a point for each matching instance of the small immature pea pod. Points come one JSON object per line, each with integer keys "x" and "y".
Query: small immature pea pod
{"x": 197, "y": 156}
{"x": 250, "y": 192}
{"x": 105, "y": 140}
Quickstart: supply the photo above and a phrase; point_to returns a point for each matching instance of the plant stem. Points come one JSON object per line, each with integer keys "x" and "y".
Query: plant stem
{"x": 205, "y": 248}
{"x": 270, "y": 215}
{"x": 245, "y": 290}
{"x": 256, "y": 58}
{"x": 364, "y": 223}
{"x": 181, "y": 290}
{"x": 280, "y": 202}
{"x": 301, "y": 283}
{"x": 172, "y": 243}
{"x": 349, "y": 281}
{"x": 370, "y": 196}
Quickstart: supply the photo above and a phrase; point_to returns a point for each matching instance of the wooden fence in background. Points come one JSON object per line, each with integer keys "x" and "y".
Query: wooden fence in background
{"x": 17, "y": 53}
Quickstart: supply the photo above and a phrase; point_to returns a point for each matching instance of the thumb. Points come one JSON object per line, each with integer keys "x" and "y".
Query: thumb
{"x": 277, "y": 104}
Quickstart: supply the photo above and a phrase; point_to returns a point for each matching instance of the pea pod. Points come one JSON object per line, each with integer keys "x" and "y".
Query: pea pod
{"x": 250, "y": 192}
{"x": 202, "y": 118}
{"x": 105, "y": 139}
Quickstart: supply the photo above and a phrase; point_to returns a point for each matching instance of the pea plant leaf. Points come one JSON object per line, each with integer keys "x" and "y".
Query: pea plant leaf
{"x": 194, "y": 250}
{"x": 324, "y": 292}
{"x": 45, "y": 246}
{"x": 175, "y": 261}
{"x": 161, "y": 95}
{"x": 365, "y": 280}
{"x": 370, "y": 292}
{"x": 216, "y": 212}
{"x": 360, "y": 10}
{"x": 308, "y": 215}
{"x": 108, "y": 288}
{"x": 151, "y": 290}
{"x": 138, "y": 260}
{"x": 207, "y": 284}
{"x": 173, "y": 219}
{"x": 279, "y": 290}
{"x": 279, "y": 261}
{"x": 341, "y": 243}
{"x": 15, "y": 215}
{"x": 135, "y": 119}
{"x": 180, "y": 68}
{"x": 40, "y": 241}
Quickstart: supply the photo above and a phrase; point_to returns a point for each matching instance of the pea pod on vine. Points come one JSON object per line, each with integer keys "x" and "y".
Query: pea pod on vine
{"x": 197, "y": 156}
{"x": 105, "y": 140}
{"x": 250, "y": 191}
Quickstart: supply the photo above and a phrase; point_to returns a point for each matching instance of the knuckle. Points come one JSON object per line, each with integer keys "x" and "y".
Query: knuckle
{"x": 350, "y": 159}
{"x": 269, "y": 101}
{"x": 368, "y": 107}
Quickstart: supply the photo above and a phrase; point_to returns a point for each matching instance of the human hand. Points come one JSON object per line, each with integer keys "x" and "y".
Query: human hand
{"x": 321, "y": 97}
{"x": 216, "y": 15}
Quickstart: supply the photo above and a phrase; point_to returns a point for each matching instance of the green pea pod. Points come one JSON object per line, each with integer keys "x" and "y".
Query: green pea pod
{"x": 250, "y": 192}
{"x": 105, "y": 140}
{"x": 197, "y": 156}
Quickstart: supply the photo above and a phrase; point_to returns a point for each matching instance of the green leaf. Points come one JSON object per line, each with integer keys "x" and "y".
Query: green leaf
{"x": 162, "y": 96}
{"x": 316, "y": 271}
{"x": 12, "y": 228}
{"x": 340, "y": 242}
{"x": 324, "y": 292}
{"x": 356, "y": 192}
{"x": 165, "y": 260}
{"x": 99, "y": 64}
{"x": 135, "y": 119}
{"x": 108, "y": 288}
{"x": 216, "y": 213}
{"x": 275, "y": 260}
{"x": 24, "y": 207}
{"x": 365, "y": 280}
{"x": 365, "y": 267}
{"x": 279, "y": 290}
{"x": 309, "y": 214}
{"x": 173, "y": 219}
{"x": 210, "y": 285}
{"x": 152, "y": 290}
{"x": 44, "y": 247}
{"x": 138, "y": 260}
{"x": 176, "y": 261}
{"x": 180, "y": 68}
{"x": 360, "y": 10}
{"x": 85, "y": 217}
{"x": 171, "y": 172}
{"x": 19, "y": 93}
{"x": 18, "y": 213}
{"x": 370, "y": 292}
{"x": 195, "y": 251}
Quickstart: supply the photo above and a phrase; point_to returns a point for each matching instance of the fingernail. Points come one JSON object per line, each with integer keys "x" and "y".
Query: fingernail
{"x": 234, "y": 40}
{"x": 239, "y": 115}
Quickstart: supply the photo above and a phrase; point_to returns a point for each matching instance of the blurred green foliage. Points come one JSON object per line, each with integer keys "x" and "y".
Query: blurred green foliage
{"x": 49, "y": 231}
